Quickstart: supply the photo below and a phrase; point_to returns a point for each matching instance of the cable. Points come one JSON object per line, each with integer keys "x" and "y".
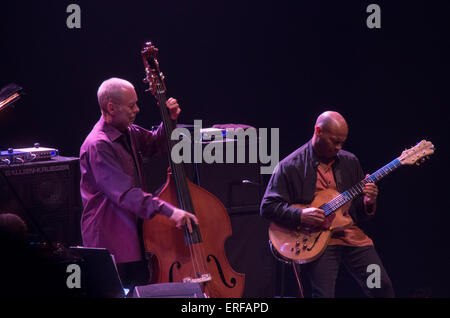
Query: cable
{"x": 298, "y": 280}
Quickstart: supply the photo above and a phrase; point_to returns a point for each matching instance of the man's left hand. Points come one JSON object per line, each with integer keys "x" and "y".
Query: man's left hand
{"x": 174, "y": 108}
{"x": 370, "y": 191}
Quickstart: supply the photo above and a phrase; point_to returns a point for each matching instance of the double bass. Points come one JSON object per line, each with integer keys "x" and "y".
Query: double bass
{"x": 196, "y": 256}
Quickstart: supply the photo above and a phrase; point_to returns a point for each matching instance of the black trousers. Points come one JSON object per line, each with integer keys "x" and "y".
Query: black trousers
{"x": 134, "y": 273}
{"x": 323, "y": 272}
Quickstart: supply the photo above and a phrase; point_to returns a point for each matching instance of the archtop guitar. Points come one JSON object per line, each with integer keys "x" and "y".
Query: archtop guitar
{"x": 305, "y": 244}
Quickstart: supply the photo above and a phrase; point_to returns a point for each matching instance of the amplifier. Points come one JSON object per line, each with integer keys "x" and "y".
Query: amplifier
{"x": 46, "y": 193}
{"x": 22, "y": 155}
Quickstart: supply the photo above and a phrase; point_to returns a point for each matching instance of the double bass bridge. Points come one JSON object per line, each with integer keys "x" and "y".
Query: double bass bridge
{"x": 202, "y": 279}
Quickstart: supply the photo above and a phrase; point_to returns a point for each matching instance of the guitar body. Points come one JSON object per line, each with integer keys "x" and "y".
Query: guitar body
{"x": 306, "y": 244}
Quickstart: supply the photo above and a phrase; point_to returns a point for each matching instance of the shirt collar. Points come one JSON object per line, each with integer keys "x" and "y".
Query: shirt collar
{"x": 112, "y": 132}
{"x": 312, "y": 157}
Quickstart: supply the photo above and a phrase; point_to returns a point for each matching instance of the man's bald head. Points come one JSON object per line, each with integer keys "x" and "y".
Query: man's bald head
{"x": 118, "y": 101}
{"x": 330, "y": 133}
{"x": 112, "y": 90}
{"x": 331, "y": 121}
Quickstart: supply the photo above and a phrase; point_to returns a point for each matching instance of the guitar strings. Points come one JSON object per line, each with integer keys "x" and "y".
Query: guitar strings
{"x": 357, "y": 189}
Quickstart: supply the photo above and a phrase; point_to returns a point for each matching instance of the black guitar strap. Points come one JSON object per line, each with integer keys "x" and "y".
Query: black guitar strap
{"x": 338, "y": 176}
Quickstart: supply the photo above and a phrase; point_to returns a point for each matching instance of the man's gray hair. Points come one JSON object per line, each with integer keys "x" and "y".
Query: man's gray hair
{"x": 111, "y": 91}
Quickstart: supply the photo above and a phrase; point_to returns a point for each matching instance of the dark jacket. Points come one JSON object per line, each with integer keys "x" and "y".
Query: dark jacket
{"x": 294, "y": 181}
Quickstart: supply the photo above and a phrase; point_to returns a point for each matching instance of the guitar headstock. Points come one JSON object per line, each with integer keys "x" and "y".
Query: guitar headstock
{"x": 417, "y": 154}
{"x": 154, "y": 78}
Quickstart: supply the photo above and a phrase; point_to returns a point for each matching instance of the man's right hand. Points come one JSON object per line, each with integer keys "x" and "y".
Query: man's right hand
{"x": 182, "y": 217}
{"x": 312, "y": 216}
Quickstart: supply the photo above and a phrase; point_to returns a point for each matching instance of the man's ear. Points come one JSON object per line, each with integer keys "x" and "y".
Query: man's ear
{"x": 111, "y": 108}
{"x": 317, "y": 131}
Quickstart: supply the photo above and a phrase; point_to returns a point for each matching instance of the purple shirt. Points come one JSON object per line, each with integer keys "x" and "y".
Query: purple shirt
{"x": 112, "y": 198}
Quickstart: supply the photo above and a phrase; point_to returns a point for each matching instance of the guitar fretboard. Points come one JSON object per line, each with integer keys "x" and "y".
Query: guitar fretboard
{"x": 357, "y": 189}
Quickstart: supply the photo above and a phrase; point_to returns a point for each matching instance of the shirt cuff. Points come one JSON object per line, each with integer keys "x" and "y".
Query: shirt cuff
{"x": 295, "y": 216}
{"x": 166, "y": 209}
{"x": 298, "y": 218}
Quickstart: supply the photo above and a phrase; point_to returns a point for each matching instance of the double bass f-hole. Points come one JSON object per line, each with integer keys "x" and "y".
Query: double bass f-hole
{"x": 232, "y": 280}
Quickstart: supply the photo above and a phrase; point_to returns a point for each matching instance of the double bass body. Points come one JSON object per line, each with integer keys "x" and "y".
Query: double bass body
{"x": 174, "y": 261}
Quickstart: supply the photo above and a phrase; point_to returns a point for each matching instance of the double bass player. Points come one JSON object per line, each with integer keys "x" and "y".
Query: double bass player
{"x": 111, "y": 181}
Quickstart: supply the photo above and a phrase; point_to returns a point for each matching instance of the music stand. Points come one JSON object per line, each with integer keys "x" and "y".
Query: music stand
{"x": 99, "y": 275}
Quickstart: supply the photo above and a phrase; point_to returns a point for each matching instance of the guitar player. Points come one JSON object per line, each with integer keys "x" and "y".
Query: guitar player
{"x": 318, "y": 165}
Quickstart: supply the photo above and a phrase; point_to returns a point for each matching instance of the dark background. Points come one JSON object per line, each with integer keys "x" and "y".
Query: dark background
{"x": 269, "y": 64}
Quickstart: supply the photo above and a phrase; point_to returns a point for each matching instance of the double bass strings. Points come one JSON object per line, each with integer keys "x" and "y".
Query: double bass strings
{"x": 193, "y": 240}
{"x": 178, "y": 174}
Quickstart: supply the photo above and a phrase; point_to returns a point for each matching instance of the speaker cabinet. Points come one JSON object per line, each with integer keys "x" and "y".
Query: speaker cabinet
{"x": 46, "y": 195}
{"x": 239, "y": 186}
